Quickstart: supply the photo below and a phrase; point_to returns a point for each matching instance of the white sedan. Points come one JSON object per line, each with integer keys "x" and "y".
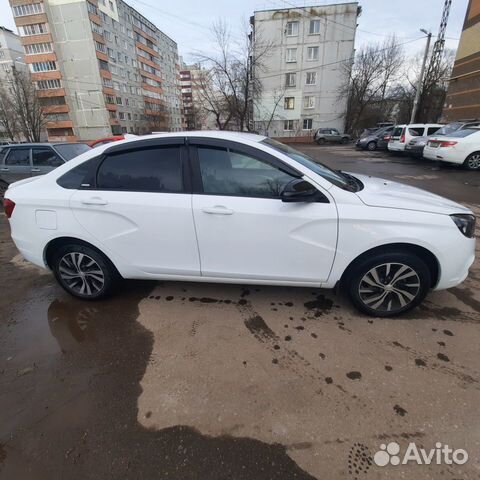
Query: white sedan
{"x": 461, "y": 147}
{"x": 237, "y": 208}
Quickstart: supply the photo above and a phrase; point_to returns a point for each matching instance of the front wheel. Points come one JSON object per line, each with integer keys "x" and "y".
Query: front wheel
{"x": 320, "y": 141}
{"x": 387, "y": 285}
{"x": 371, "y": 146}
{"x": 344, "y": 140}
{"x": 84, "y": 272}
{"x": 473, "y": 161}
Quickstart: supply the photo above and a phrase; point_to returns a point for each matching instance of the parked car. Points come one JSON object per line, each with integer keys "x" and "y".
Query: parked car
{"x": 22, "y": 160}
{"x": 105, "y": 140}
{"x": 375, "y": 140}
{"x": 324, "y": 135}
{"x": 461, "y": 147}
{"x": 416, "y": 145}
{"x": 237, "y": 208}
{"x": 402, "y": 134}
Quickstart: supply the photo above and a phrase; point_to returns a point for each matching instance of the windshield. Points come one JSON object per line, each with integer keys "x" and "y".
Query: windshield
{"x": 71, "y": 150}
{"x": 339, "y": 179}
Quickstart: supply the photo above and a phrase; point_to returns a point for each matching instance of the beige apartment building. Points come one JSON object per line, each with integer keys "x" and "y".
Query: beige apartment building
{"x": 100, "y": 68}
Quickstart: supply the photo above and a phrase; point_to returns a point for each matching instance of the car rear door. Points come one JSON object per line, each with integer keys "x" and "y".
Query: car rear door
{"x": 17, "y": 164}
{"x": 140, "y": 208}
{"x": 44, "y": 160}
{"x": 244, "y": 229}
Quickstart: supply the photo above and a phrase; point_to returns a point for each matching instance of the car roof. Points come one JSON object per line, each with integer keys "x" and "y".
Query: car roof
{"x": 39, "y": 144}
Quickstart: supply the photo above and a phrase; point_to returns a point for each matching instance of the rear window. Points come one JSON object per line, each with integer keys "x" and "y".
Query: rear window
{"x": 448, "y": 129}
{"x": 464, "y": 132}
{"x": 432, "y": 130}
{"x": 416, "y": 131}
{"x": 71, "y": 150}
{"x": 156, "y": 169}
{"x": 397, "y": 132}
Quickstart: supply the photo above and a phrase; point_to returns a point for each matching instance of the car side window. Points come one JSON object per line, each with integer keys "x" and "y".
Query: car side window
{"x": 335, "y": 132}
{"x": 432, "y": 130}
{"x": 18, "y": 157}
{"x": 45, "y": 157}
{"x": 155, "y": 169}
{"x": 229, "y": 172}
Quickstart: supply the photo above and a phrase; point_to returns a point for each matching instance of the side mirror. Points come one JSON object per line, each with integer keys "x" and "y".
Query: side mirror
{"x": 299, "y": 190}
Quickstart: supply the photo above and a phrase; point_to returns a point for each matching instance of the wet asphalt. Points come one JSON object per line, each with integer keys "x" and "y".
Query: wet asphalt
{"x": 200, "y": 381}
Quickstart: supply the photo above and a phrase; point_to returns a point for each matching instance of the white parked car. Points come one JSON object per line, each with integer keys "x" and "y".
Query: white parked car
{"x": 402, "y": 134}
{"x": 461, "y": 147}
{"x": 237, "y": 208}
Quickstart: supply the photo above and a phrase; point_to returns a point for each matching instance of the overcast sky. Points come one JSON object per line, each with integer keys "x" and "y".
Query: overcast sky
{"x": 188, "y": 21}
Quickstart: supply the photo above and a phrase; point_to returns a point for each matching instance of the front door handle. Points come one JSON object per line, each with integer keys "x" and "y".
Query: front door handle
{"x": 4, "y": 169}
{"x": 35, "y": 170}
{"x": 94, "y": 201}
{"x": 218, "y": 210}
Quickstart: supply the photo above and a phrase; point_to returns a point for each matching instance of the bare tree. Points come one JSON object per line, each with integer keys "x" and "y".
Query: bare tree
{"x": 267, "y": 116}
{"x": 230, "y": 86}
{"x": 8, "y": 118}
{"x": 369, "y": 80}
{"x": 26, "y": 106}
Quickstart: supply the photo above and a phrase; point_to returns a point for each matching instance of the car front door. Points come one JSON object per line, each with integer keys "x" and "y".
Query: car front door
{"x": 244, "y": 229}
{"x": 335, "y": 135}
{"x": 16, "y": 164}
{"x": 44, "y": 160}
{"x": 140, "y": 208}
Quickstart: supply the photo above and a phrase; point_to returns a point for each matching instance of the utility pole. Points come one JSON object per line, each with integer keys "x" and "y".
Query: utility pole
{"x": 420, "y": 80}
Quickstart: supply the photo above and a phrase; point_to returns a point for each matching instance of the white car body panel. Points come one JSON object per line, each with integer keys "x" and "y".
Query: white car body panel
{"x": 263, "y": 241}
{"x": 455, "y": 154}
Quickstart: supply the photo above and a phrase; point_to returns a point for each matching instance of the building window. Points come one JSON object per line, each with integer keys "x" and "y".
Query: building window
{"x": 107, "y": 82}
{"x": 110, "y": 99}
{"x": 291, "y": 55}
{"x": 118, "y": 100}
{"x": 314, "y": 27}
{"x": 111, "y": 53}
{"x": 312, "y": 53}
{"x": 31, "y": 9}
{"x": 292, "y": 29}
{"x": 107, "y": 35}
{"x": 121, "y": 115}
{"x": 290, "y": 79}
{"x": 48, "y": 84}
{"x": 33, "y": 29}
{"x": 92, "y": 8}
{"x": 100, "y": 47}
{"x": 103, "y": 65}
{"x": 43, "y": 66}
{"x": 37, "y": 48}
{"x": 311, "y": 78}
{"x": 289, "y": 125}
{"x": 289, "y": 103}
{"x": 96, "y": 28}
{"x": 309, "y": 102}
{"x": 307, "y": 123}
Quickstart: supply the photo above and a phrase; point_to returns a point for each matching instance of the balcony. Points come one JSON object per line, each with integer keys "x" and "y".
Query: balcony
{"x": 52, "y": 75}
{"x": 54, "y": 92}
{"x": 59, "y": 124}
{"x": 55, "y": 109}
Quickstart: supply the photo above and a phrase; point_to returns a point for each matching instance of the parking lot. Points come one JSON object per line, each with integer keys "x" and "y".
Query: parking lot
{"x": 194, "y": 381}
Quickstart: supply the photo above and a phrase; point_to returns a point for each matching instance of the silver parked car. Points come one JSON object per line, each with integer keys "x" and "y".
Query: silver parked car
{"x": 324, "y": 135}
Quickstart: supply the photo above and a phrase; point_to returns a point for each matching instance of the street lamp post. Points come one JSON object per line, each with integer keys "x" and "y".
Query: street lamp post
{"x": 420, "y": 80}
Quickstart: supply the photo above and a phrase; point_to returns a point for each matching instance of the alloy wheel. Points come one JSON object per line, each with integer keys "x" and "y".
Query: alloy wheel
{"x": 81, "y": 273}
{"x": 389, "y": 287}
{"x": 473, "y": 162}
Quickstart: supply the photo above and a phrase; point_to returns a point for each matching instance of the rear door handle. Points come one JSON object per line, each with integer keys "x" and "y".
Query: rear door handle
{"x": 4, "y": 169}
{"x": 218, "y": 210}
{"x": 94, "y": 201}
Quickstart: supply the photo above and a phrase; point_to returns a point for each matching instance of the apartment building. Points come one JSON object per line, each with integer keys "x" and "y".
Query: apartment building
{"x": 100, "y": 68}
{"x": 301, "y": 69}
{"x": 11, "y": 53}
{"x": 463, "y": 97}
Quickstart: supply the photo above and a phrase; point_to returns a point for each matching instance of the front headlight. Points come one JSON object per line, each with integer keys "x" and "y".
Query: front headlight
{"x": 465, "y": 223}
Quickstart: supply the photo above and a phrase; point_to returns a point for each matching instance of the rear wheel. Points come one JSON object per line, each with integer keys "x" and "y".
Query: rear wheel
{"x": 371, "y": 146}
{"x": 473, "y": 161}
{"x": 389, "y": 284}
{"x": 84, "y": 272}
{"x": 344, "y": 140}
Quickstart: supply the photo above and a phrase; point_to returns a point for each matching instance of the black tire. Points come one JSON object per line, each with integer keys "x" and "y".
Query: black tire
{"x": 472, "y": 162}
{"x": 3, "y": 189}
{"x": 320, "y": 141}
{"x": 366, "y": 293}
{"x": 371, "y": 146}
{"x": 89, "y": 284}
{"x": 344, "y": 140}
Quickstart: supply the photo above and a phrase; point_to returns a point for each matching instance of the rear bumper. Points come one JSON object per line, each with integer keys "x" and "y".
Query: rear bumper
{"x": 396, "y": 147}
{"x": 442, "y": 155}
{"x": 30, "y": 251}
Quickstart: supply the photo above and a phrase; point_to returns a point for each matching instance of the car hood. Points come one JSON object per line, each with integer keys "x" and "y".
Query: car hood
{"x": 378, "y": 192}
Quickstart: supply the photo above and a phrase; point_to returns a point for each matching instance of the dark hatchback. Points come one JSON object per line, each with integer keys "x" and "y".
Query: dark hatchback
{"x": 23, "y": 160}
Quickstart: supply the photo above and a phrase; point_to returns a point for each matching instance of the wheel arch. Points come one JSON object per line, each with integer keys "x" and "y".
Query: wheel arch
{"x": 53, "y": 245}
{"x": 423, "y": 253}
